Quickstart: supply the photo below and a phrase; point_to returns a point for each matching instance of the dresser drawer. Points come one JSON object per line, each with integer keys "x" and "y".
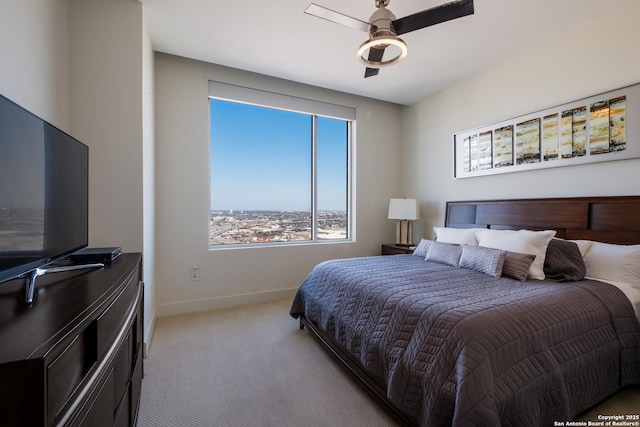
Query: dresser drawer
{"x": 98, "y": 411}
{"x": 68, "y": 370}
{"x": 110, "y": 322}
{"x": 122, "y": 370}
{"x": 122, "y": 417}
{"x": 136, "y": 385}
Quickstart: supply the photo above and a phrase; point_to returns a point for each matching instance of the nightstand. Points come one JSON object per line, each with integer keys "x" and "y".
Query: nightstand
{"x": 393, "y": 249}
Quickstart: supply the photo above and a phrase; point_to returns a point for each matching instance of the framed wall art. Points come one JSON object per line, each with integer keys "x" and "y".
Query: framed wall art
{"x": 594, "y": 129}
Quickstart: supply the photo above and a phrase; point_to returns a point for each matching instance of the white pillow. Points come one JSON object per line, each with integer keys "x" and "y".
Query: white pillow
{"x": 583, "y": 246}
{"x": 614, "y": 263}
{"x": 457, "y": 236}
{"x": 522, "y": 241}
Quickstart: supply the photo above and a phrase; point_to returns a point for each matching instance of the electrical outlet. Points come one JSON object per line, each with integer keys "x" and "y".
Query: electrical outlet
{"x": 195, "y": 274}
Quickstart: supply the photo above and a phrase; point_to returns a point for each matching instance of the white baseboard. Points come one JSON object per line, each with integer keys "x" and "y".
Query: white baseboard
{"x": 184, "y": 307}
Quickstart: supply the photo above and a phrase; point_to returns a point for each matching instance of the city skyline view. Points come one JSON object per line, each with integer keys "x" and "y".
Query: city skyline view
{"x": 231, "y": 227}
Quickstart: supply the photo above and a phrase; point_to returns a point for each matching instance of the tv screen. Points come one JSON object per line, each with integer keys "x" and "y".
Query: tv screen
{"x": 43, "y": 192}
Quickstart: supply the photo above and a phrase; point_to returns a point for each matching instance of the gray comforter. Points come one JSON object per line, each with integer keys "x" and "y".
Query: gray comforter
{"x": 454, "y": 346}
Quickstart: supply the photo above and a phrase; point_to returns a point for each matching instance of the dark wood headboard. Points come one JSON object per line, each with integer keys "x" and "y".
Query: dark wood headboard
{"x": 604, "y": 219}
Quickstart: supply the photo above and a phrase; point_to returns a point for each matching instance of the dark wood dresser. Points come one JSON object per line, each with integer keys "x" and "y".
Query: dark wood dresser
{"x": 74, "y": 356}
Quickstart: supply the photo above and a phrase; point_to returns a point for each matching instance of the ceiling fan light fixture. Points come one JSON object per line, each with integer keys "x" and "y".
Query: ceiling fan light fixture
{"x": 382, "y": 42}
{"x": 384, "y": 28}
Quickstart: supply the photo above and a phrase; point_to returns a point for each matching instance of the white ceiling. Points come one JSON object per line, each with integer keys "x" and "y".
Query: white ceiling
{"x": 278, "y": 39}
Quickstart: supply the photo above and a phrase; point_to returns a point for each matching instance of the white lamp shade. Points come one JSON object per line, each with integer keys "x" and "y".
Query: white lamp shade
{"x": 404, "y": 209}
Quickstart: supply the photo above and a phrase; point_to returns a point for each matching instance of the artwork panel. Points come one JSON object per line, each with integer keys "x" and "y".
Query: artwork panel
{"x": 485, "y": 155}
{"x": 566, "y": 134}
{"x": 579, "y": 131}
{"x": 503, "y": 147}
{"x": 528, "y": 142}
{"x": 550, "y": 137}
{"x": 466, "y": 159}
{"x": 473, "y": 152}
{"x": 599, "y": 127}
{"x": 618, "y": 123}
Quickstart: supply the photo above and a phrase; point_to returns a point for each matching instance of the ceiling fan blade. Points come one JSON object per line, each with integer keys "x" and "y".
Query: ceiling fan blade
{"x": 375, "y": 55}
{"x": 337, "y": 17}
{"x": 433, "y": 16}
{"x": 370, "y": 72}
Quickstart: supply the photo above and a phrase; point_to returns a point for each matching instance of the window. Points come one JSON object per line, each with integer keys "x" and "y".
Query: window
{"x": 280, "y": 171}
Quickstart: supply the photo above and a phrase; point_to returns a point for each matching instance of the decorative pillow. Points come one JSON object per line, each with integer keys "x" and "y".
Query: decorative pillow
{"x": 458, "y": 236}
{"x": 445, "y": 253}
{"x": 563, "y": 261}
{"x": 517, "y": 265}
{"x": 485, "y": 260}
{"x": 614, "y": 263}
{"x": 422, "y": 248}
{"x": 522, "y": 241}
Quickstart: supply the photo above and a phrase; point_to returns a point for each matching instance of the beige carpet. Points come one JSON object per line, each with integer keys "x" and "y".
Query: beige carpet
{"x": 246, "y": 367}
{"x": 252, "y": 366}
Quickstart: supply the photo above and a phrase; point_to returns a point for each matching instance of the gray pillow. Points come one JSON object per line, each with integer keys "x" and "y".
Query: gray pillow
{"x": 516, "y": 265}
{"x": 446, "y": 253}
{"x": 422, "y": 248}
{"x": 563, "y": 262}
{"x": 485, "y": 260}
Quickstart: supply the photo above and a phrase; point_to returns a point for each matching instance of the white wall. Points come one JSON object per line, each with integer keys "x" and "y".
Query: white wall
{"x": 111, "y": 110}
{"x": 34, "y": 55}
{"x": 237, "y": 276}
{"x": 149, "y": 186}
{"x": 106, "y": 114}
{"x": 601, "y": 56}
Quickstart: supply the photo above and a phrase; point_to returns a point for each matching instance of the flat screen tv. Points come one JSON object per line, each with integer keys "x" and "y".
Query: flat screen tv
{"x": 43, "y": 192}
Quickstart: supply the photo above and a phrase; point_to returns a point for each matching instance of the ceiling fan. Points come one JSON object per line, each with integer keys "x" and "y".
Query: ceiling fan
{"x": 384, "y": 28}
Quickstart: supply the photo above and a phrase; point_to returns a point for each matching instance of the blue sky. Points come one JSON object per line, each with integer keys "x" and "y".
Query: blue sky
{"x": 261, "y": 159}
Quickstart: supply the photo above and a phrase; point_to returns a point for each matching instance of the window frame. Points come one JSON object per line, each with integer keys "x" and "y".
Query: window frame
{"x": 314, "y": 109}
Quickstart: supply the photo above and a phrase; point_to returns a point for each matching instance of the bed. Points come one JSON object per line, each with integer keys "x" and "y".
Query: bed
{"x": 466, "y": 332}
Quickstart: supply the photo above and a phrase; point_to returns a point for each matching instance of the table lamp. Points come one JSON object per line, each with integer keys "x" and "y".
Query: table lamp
{"x": 404, "y": 211}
